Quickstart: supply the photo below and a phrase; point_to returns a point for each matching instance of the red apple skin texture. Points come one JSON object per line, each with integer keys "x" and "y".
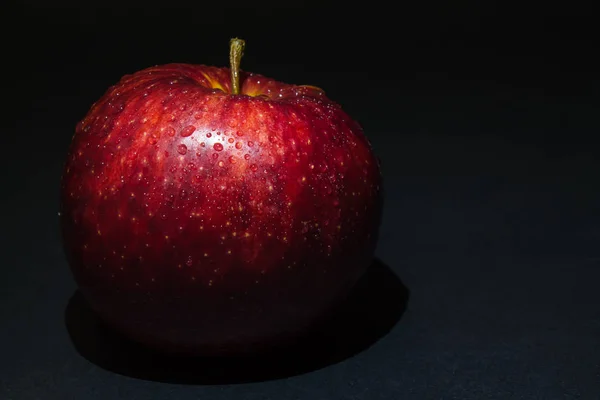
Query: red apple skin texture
{"x": 197, "y": 221}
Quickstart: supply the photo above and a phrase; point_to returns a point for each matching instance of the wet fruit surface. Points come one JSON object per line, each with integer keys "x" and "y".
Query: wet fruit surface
{"x": 199, "y": 220}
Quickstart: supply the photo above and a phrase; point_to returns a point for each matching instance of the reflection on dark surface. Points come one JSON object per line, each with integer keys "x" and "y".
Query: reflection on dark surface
{"x": 370, "y": 312}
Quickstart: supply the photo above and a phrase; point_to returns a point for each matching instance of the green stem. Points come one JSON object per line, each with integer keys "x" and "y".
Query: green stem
{"x": 236, "y": 51}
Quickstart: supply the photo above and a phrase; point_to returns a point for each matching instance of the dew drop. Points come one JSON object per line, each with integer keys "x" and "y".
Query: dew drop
{"x": 192, "y": 166}
{"x": 187, "y": 131}
{"x": 182, "y": 149}
{"x": 203, "y": 144}
{"x": 170, "y": 131}
{"x": 232, "y": 159}
{"x": 218, "y": 146}
{"x": 198, "y": 116}
{"x": 208, "y": 134}
{"x": 240, "y": 133}
{"x": 215, "y": 155}
{"x": 153, "y": 139}
{"x": 230, "y": 140}
{"x": 238, "y": 145}
{"x": 250, "y": 144}
{"x": 253, "y": 167}
{"x": 246, "y": 156}
{"x": 272, "y": 139}
{"x": 220, "y": 164}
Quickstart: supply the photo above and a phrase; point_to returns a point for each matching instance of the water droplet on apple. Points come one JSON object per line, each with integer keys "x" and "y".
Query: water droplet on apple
{"x": 218, "y": 146}
{"x": 220, "y": 164}
{"x": 238, "y": 145}
{"x": 230, "y": 140}
{"x": 166, "y": 154}
{"x": 189, "y": 261}
{"x": 215, "y": 155}
{"x": 203, "y": 144}
{"x": 192, "y": 166}
{"x": 187, "y": 131}
{"x": 246, "y": 156}
{"x": 232, "y": 159}
{"x": 240, "y": 133}
{"x": 250, "y": 143}
{"x": 153, "y": 139}
{"x": 170, "y": 131}
{"x": 253, "y": 167}
{"x": 272, "y": 139}
{"x": 198, "y": 116}
{"x": 173, "y": 169}
{"x": 208, "y": 134}
{"x": 182, "y": 149}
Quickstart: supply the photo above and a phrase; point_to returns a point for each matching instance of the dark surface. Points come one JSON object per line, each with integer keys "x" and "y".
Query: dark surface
{"x": 486, "y": 127}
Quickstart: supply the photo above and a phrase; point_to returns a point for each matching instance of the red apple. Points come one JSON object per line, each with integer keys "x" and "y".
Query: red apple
{"x": 207, "y": 209}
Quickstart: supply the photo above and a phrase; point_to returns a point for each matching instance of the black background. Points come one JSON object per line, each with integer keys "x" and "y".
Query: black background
{"x": 484, "y": 117}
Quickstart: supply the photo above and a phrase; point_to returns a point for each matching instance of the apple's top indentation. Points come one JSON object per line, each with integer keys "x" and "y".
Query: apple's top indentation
{"x": 216, "y": 81}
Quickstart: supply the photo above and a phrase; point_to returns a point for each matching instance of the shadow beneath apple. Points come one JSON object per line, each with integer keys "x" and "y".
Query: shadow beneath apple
{"x": 372, "y": 309}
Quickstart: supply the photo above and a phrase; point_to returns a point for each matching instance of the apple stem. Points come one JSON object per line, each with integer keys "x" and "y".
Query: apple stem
{"x": 236, "y": 51}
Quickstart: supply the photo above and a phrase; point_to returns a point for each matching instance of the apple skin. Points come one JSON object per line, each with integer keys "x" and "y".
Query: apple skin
{"x": 196, "y": 221}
